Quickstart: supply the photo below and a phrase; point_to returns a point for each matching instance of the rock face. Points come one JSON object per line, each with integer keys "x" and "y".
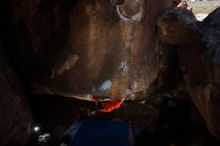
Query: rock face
{"x": 15, "y": 120}
{"x": 109, "y": 53}
{"x": 177, "y": 26}
{"x": 211, "y": 32}
{"x": 104, "y": 48}
{"x": 199, "y": 58}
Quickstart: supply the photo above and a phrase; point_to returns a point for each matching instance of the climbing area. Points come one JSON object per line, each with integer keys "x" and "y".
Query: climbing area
{"x": 110, "y": 73}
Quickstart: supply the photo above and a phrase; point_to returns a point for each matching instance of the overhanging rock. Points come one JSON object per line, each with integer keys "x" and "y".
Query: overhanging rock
{"x": 101, "y": 54}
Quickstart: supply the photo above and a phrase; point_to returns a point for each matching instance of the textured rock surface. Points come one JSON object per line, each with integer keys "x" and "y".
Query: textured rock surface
{"x": 15, "y": 120}
{"x": 94, "y": 49}
{"x": 111, "y": 52}
{"x": 206, "y": 95}
{"x": 177, "y": 25}
{"x": 210, "y": 28}
{"x": 200, "y": 64}
{"x": 202, "y": 80}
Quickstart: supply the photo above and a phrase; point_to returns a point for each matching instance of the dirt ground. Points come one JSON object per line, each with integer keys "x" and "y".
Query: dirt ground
{"x": 204, "y": 6}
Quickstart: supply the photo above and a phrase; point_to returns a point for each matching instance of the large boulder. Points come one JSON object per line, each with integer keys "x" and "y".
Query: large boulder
{"x": 103, "y": 48}
{"x": 202, "y": 82}
{"x": 177, "y": 26}
{"x": 206, "y": 95}
{"x": 110, "y": 53}
{"x": 199, "y": 60}
{"x": 210, "y": 28}
{"x": 15, "y": 120}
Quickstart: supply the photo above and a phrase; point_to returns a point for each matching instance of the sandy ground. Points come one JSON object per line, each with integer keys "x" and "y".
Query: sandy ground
{"x": 205, "y": 3}
{"x": 203, "y": 8}
{"x": 201, "y": 16}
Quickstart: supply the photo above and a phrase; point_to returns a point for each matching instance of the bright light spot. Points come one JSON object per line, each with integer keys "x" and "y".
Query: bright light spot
{"x": 36, "y": 129}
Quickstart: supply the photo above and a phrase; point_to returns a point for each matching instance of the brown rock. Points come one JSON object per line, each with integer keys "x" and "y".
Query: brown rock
{"x": 202, "y": 80}
{"x": 183, "y": 4}
{"x": 109, "y": 52}
{"x": 199, "y": 59}
{"x": 91, "y": 48}
{"x": 15, "y": 120}
{"x": 201, "y": 72}
{"x": 191, "y": 63}
{"x": 177, "y": 26}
